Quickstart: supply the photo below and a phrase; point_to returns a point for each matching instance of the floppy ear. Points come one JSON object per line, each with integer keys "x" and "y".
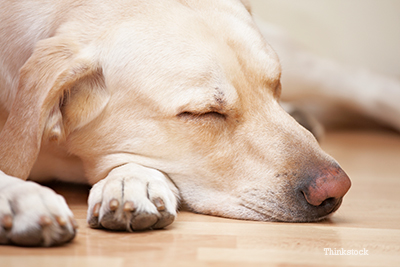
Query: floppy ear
{"x": 53, "y": 72}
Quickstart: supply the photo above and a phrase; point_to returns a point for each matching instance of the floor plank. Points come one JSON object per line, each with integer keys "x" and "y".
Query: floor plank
{"x": 369, "y": 220}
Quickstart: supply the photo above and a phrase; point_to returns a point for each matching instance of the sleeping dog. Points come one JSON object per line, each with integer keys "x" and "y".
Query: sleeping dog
{"x": 152, "y": 103}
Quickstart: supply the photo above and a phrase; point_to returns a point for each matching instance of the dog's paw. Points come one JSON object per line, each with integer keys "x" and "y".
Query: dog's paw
{"x": 33, "y": 215}
{"x": 132, "y": 198}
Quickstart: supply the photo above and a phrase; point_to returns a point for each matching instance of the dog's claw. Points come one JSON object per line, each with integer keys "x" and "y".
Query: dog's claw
{"x": 45, "y": 221}
{"x": 159, "y": 203}
{"x": 96, "y": 210}
{"x": 61, "y": 221}
{"x": 7, "y": 222}
{"x": 129, "y": 206}
{"x": 114, "y": 204}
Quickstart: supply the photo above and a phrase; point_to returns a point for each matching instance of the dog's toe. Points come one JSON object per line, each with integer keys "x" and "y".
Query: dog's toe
{"x": 109, "y": 221}
{"x": 30, "y": 237}
{"x": 166, "y": 219}
{"x": 132, "y": 198}
{"x": 93, "y": 216}
{"x": 143, "y": 221}
{"x": 6, "y": 222}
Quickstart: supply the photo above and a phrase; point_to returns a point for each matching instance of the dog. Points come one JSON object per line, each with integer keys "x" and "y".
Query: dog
{"x": 153, "y": 103}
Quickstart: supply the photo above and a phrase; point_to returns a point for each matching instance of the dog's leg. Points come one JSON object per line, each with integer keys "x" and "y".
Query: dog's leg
{"x": 33, "y": 215}
{"x": 307, "y": 78}
{"x": 133, "y": 197}
{"x": 329, "y": 83}
{"x": 306, "y": 119}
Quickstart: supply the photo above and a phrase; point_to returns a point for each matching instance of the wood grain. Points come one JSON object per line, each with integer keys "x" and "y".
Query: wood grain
{"x": 368, "y": 219}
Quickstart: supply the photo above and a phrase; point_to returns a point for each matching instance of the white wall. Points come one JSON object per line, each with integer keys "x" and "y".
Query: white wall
{"x": 357, "y": 32}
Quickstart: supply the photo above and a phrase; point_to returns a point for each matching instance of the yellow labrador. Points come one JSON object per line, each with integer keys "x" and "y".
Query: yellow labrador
{"x": 151, "y": 102}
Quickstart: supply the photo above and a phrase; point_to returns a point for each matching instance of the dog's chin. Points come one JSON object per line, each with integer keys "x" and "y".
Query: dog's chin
{"x": 292, "y": 215}
{"x": 287, "y": 217}
{"x": 267, "y": 212}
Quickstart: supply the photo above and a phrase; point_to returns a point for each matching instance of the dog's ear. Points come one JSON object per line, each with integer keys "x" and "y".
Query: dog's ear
{"x": 57, "y": 79}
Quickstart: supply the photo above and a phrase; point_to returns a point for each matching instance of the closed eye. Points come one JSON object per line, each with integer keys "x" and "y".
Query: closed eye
{"x": 201, "y": 116}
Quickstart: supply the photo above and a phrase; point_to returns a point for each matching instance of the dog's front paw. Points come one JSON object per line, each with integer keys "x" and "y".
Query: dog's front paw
{"x": 133, "y": 197}
{"x": 33, "y": 215}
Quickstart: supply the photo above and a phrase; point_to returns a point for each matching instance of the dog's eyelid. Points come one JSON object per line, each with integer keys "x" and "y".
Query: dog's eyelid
{"x": 188, "y": 115}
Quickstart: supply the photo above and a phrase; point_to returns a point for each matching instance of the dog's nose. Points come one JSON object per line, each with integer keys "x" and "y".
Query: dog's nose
{"x": 327, "y": 189}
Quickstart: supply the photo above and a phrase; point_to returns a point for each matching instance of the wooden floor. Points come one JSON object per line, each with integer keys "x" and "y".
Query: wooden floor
{"x": 369, "y": 220}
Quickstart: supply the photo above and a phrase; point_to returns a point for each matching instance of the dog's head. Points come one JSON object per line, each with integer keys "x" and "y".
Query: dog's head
{"x": 191, "y": 90}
